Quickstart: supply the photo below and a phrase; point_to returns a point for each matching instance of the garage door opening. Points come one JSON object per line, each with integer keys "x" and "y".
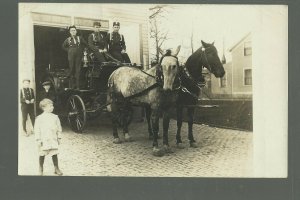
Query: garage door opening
{"x": 48, "y": 50}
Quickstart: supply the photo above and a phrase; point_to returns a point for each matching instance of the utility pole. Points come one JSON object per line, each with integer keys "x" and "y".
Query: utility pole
{"x": 223, "y": 57}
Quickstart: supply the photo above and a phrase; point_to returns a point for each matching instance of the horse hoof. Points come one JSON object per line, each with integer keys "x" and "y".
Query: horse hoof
{"x": 180, "y": 146}
{"x": 168, "y": 149}
{"x": 127, "y": 138}
{"x": 117, "y": 141}
{"x": 157, "y": 152}
{"x": 193, "y": 145}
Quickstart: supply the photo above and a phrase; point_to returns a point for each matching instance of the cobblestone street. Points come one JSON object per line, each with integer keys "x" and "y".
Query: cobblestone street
{"x": 221, "y": 153}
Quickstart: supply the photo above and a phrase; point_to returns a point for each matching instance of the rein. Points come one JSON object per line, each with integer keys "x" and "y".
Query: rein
{"x": 188, "y": 75}
{"x": 159, "y": 77}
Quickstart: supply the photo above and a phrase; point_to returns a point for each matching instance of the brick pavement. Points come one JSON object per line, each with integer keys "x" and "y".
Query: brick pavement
{"x": 221, "y": 153}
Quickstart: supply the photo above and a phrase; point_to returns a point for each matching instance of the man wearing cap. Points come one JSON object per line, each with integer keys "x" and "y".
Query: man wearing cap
{"x": 97, "y": 43}
{"x": 27, "y": 104}
{"x": 47, "y": 92}
{"x": 116, "y": 42}
{"x": 74, "y": 45}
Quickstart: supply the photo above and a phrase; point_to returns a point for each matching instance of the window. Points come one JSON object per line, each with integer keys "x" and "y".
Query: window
{"x": 247, "y": 48}
{"x": 223, "y": 81}
{"x": 248, "y": 77}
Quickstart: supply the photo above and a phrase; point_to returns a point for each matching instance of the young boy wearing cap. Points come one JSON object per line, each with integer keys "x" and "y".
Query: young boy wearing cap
{"x": 27, "y": 104}
{"x": 47, "y": 92}
{"x": 116, "y": 42}
{"x": 74, "y": 45}
{"x": 97, "y": 43}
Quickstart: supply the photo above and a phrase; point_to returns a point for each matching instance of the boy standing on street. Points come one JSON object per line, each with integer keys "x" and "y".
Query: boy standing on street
{"x": 47, "y": 132}
{"x": 27, "y": 104}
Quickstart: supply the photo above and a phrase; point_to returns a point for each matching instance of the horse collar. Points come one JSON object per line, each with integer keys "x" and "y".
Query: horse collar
{"x": 189, "y": 76}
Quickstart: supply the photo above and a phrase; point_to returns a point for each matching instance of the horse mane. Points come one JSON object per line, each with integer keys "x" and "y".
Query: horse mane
{"x": 168, "y": 53}
{"x": 194, "y": 64}
{"x": 152, "y": 70}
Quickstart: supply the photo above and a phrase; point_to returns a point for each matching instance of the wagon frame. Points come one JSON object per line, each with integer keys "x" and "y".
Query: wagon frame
{"x": 80, "y": 105}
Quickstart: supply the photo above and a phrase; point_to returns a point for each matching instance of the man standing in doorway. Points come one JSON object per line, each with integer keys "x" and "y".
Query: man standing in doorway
{"x": 27, "y": 104}
{"x": 116, "y": 42}
{"x": 74, "y": 45}
{"x": 97, "y": 43}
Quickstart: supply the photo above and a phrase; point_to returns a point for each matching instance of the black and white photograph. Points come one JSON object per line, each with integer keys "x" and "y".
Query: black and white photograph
{"x": 153, "y": 90}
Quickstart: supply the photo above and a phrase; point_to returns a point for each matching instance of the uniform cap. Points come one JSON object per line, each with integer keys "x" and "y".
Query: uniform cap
{"x": 116, "y": 24}
{"x": 96, "y": 24}
{"x": 26, "y": 79}
{"x": 46, "y": 83}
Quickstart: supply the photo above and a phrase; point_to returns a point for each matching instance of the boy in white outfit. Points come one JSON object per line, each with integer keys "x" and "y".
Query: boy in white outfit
{"x": 47, "y": 131}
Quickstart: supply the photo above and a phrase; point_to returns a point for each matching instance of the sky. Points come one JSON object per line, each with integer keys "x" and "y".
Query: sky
{"x": 211, "y": 23}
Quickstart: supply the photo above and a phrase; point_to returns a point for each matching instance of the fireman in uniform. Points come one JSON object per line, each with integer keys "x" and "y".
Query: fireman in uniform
{"x": 98, "y": 43}
{"x": 74, "y": 45}
{"x": 27, "y": 104}
{"x": 116, "y": 43}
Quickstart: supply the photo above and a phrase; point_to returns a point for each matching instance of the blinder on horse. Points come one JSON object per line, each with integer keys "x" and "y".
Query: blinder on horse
{"x": 159, "y": 71}
{"x": 205, "y": 57}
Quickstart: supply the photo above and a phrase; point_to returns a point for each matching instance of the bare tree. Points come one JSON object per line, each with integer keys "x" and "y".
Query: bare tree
{"x": 192, "y": 39}
{"x": 156, "y": 31}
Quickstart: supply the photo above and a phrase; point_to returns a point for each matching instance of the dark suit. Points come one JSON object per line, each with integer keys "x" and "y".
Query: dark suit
{"x": 74, "y": 46}
{"x": 116, "y": 43}
{"x": 49, "y": 95}
{"x": 27, "y": 94}
{"x": 98, "y": 42}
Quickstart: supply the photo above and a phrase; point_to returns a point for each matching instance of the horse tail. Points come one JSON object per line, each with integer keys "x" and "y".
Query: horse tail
{"x": 110, "y": 91}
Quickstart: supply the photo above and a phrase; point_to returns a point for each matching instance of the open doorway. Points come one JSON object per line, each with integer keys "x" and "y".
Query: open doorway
{"x": 49, "y": 55}
{"x": 48, "y": 50}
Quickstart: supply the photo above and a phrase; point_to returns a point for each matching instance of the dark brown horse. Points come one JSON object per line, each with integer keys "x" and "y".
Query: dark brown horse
{"x": 128, "y": 85}
{"x": 190, "y": 77}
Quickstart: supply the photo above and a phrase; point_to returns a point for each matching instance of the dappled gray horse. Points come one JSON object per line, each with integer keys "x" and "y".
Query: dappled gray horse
{"x": 128, "y": 85}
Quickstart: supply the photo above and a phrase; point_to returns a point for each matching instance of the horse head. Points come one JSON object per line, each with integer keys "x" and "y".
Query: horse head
{"x": 169, "y": 67}
{"x": 211, "y": 60}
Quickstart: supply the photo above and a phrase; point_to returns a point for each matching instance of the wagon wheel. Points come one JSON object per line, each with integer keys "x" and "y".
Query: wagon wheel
{"x": 128, "y": 117}
{"x": 76, "y": 113}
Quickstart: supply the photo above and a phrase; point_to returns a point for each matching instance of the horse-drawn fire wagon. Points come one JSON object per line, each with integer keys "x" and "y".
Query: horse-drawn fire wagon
{"x": 79, "y": 105}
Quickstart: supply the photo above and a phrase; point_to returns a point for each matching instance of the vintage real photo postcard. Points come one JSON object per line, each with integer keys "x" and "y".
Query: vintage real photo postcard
{"x": 153, "y": 90}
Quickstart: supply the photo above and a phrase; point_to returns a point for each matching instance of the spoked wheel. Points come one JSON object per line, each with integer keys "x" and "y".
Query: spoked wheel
{"x": 76, "y": 113}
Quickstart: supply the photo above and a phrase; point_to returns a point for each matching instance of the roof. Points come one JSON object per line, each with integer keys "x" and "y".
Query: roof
{"x": 241, "y": 40}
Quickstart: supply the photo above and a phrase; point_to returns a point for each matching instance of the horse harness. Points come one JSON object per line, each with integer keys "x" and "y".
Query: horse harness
{"x": 159, "y": 77}
{"x": 204, "y": 53}
{"x": 188, "y": 75}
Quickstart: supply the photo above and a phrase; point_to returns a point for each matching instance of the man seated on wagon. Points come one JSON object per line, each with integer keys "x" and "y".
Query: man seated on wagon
{"x": 116, "y": 43}
{"x": 98, "y": 43}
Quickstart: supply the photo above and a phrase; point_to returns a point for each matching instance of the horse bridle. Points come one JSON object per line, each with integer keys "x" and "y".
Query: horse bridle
{"x": 188, "y": 75}
{"x": 159, "y": 73}
{"x": 203, "y": 49}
